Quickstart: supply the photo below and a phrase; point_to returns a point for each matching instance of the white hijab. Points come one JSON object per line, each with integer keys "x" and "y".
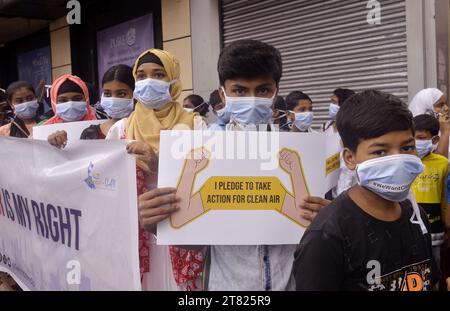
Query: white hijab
{"x": 423, "y": 102}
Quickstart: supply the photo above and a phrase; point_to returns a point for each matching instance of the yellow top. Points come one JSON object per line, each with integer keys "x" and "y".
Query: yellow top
{"x": 430, "y": 186}
{"x": 144, "y": 124}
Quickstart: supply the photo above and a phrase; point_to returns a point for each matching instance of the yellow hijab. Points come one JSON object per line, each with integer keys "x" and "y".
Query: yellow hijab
{"x": 144, "y": 124}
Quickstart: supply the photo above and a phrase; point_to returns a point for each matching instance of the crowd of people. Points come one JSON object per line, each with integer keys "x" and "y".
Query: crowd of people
{"x": 389, "y": 208}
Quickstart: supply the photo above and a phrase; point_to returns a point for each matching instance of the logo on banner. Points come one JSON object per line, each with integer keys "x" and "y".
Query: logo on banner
{"x": 95, "y": 180}
{"x": 131, "y": 36}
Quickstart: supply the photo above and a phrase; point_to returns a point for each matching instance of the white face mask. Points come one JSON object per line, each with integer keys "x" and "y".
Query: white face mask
{"x": 303, "y": 120}
{"x": 26, "y": 110}
{"x": 223, "y": 116}
{"x": 71, "y": 111}
{"x": 194, "y": 109}
{"x": 153, "y": 93}
{"x": 424, "y": 147}
{"x": 390, "y": 177}
{"x": 117, "y": 108}
{"x": 249, "y": 110}
{"x": 333, "y": 111}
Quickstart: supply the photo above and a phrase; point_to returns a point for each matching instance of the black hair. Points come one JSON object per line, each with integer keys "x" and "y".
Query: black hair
{"x": 122, "y": 73}
{"x": 371, "y": 114}
{"x": 293, "y": 98}
{"x": 249, "y": 59}
{"x": 280, "y": 104}
{"x": 69, "y": 86}
{"x": 149, "y": 58}
{"x": 425, "y": 122}
{"x": 343, "y": 94}
{"x": 197, "y": 100}
{"x": 13, "y": 87}
{"x": 214, "y": 98}
{"x": 18, "y": 128}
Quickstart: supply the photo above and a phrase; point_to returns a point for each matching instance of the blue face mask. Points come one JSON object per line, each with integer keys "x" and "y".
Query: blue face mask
{"x": 71, "y": 111}
{"x": 117, "y": 108}
{"x": 249, "y": 110}
{"x": 153, "y": 93}
{"x": 303, "y": 120}
{"x": 26, "y": 110}
{"x": 333, "y": 111}
{"x": 390, "y": 177}
{"x": 424, "y": 147}
{"x": 223, "y": 116}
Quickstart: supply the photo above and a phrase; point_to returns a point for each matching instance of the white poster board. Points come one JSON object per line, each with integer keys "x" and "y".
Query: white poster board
{"x": 243, "y": 188}
{"x": 73, "y": 129}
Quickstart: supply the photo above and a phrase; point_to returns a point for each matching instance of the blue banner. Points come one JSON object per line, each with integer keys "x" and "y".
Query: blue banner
{"x": 35, "y": 65}
{"x": 122, "y": 43}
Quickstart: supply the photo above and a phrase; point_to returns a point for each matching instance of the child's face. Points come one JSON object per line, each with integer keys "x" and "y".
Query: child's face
{"x": 303, "y": 105}
{"x": 426, "y": 135}
{"x": 259, "y": 87}
{"x": 398, "y": 142}
{"x": 217, "y": 107}
{"x": 187, "y": 104}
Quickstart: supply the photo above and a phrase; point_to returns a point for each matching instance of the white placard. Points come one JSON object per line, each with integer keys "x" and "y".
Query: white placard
{"x": 68, "y": 218}
{"x": 73, "y": 129}
{"x": 243, "y": 188}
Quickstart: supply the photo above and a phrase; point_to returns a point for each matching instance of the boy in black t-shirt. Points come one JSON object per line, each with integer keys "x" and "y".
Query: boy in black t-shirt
{"x": 371, "y": 237}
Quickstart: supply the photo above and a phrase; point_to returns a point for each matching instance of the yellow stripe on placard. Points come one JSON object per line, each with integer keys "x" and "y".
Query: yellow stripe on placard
{"x": 332, "y": 164}
{"x": 243, "y": 193}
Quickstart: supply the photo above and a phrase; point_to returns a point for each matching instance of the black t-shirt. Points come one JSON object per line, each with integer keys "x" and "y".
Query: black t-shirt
{"x": 347, "y": 249}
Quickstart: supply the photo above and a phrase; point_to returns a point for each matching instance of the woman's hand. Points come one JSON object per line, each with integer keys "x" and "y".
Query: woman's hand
{"x": 444, "y": 123}
{"x": 58, "y": 139}
{"x": 155, "y": 206}
{"x": 146, "y": 158}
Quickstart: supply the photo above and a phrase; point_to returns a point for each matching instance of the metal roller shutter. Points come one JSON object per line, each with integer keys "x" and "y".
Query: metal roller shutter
{"x": 326, "y": 44}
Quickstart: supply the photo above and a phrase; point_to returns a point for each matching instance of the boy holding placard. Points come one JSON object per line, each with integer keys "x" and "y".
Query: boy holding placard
{"x": 249, "y": 74}
{"x": 374, "y": 236}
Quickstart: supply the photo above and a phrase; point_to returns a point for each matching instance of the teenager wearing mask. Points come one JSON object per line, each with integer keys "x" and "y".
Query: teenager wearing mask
{"x": 279, "y": 112}
{"x": 117, "y": 102}
{"x": 22, "y": 99}
{"x": 249, "y": 74}
{"x": 347, "y": 178}
{"x": 70, "y": 100}
{"x": 337, "y": 99}
{"x": 157, "y": 89}
{"x": 300, "y": 112}
{"x": 195, "y": 103}
{"x": 373, "y": 236}
{"x": 219, "y": 110}
{"x": 433, "y": 101}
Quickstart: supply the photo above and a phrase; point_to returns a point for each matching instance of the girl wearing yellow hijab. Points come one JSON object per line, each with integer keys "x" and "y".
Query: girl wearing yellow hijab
{"x": 158, "y": 86}
{"x": 157, "y": 75}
